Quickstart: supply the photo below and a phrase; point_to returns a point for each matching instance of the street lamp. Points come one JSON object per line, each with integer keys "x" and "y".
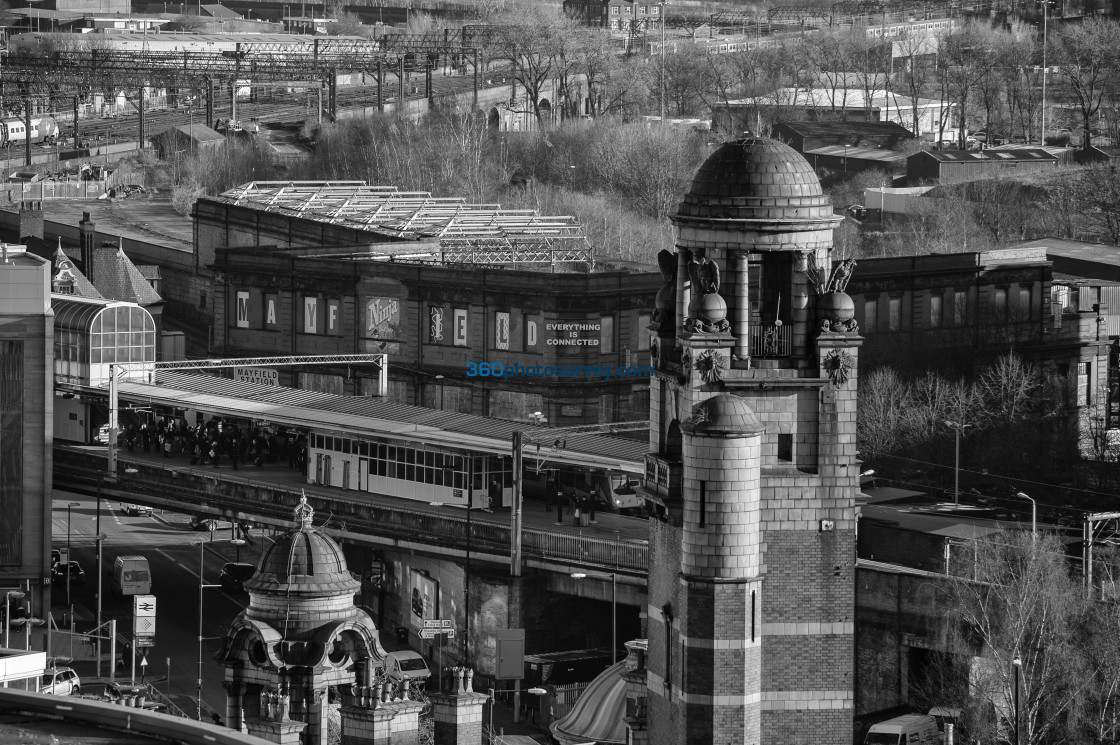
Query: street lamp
{"x": 1034, "y": 514}
{"x": 1016, "y": 665}
{"x": 201, "y": 586}
{"x": 662, "y": 5}
{"x": 66, "y": 568}
{"x": 614, "y": 610}
{"x": 957, "y": 428}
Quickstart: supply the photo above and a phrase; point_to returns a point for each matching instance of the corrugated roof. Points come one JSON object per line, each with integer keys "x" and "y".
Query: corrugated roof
{"x": 73, "y": 313}
{"x": 959, "y": 156}
{"x": 373, "y": 417}
{"x": 858, "y": 153}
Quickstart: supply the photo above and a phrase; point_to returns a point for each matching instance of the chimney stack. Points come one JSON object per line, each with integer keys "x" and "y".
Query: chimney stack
{"x": 88, "y": 231}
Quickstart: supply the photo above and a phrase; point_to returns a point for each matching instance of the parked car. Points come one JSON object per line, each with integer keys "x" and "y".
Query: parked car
{"x": 77, "y": 574}
{"x": 203, "y": 523}
{"x": 406, "y": 666}
{"x": 60, "y": 681}
{"x": 235, "y": 574}
{"x": 56, "y": 556}
{"x": 136, "y": 510}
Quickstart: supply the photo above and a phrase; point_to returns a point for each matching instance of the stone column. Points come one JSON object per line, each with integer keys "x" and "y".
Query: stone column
{"x": 684, "y": 288}
{"x": 739, "y": 304}
{"x": 235, "y": 694}
{"x": 458, "y": 717}
{"x": 315, "y": 716}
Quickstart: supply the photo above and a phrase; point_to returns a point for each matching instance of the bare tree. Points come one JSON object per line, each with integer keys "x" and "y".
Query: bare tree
{"x": 1089, "y": 59}
{"x": 1013, "y": 611}
{"x": 1099, "y": 195}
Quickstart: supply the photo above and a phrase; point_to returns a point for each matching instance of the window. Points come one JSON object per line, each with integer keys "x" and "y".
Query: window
{"x": 614, "y": 11}
{"x": 654, "y": 10}
{"x": 334, "y": 317}
{"x": 606, "y": 334}
{"x": 270, "y": 302}
{"x": 960, "y": 307}
{"x": 999, "y": 304}
{"x": 311, "y": 317}
{"x": 641, "y": 10}
{"x": 785, "y": 448}
{"x": 870, "y": 314}
{"x": 1024, "y": 306}
{"x": 242, "y": 310}
{"x": 626, "y": 11}
{"x": 643, "y": 332}
{"x": 460, "y": 327}
{"x": 501, "y": 330}
{"x": 935, "y": 311}
{"x": 894, "y": 318}
{"x": 1084, "y": 384}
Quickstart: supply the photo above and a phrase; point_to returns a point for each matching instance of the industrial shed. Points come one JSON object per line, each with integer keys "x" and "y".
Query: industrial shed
{"x": 952, "y": 166}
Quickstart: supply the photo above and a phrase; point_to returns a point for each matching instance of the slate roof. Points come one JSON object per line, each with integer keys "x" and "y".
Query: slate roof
{"x": 82, "y": 286}
{"x": 149, "y": 271}
{"x": 825, "y": 129}
{"x": 196, "y": 132}
{"x": 117, "y": 278}
{"x": 958, "y": 156}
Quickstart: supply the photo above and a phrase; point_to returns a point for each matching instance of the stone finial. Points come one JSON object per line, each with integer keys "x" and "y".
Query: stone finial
{"x": 303, "y": 512}
{"x": 469, "y": 688}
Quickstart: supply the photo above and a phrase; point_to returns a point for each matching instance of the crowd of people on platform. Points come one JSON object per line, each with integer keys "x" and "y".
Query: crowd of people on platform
{"x": 217, "y": 442}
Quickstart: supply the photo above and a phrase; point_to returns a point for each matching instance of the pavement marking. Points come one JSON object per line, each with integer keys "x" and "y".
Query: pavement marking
{"x": 188, "y": 570}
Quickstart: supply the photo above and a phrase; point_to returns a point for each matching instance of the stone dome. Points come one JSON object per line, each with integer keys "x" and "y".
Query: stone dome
{"x": 756, "y": 179}
{"x": 304, "y": 562}
{"x": 725, "y": 414}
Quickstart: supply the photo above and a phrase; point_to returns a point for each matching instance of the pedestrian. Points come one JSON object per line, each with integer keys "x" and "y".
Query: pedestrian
{"x": 233, "y": 454}
{"x": 214, "y": 453}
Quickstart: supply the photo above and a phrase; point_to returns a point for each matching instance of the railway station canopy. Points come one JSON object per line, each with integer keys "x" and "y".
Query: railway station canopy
{"x": 361, "y": 417}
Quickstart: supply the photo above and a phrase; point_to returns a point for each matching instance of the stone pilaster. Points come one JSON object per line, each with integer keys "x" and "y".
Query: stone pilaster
{"x": 458, "y": 717}
{"x": 365, "y": 725}
{"x": 284, "y": 732}
{"x": 404, "y": 727}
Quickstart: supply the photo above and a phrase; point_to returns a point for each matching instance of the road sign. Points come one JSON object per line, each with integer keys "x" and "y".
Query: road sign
{"x": 446, "y": 623}
{"x": 144, "y": 641}
{"x": 433, "y": 633}
{"x": 433, "y": 624}
{"x": 144, "y": 626}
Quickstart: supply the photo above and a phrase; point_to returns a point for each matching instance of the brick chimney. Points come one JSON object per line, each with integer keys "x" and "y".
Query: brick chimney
{"x": 87, "y": 230}
{"x": 30, "y": 221}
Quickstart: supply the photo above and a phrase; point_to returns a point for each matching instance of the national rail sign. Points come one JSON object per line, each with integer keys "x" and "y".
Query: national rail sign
{"x": 143, "y": 616}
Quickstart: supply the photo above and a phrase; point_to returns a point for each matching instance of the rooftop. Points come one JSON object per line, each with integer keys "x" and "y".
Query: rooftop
{"x": 964, "y": 156}
{"x": 465, "y": 233}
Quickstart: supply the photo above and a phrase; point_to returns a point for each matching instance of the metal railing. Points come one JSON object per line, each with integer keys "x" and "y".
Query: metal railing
{"x": 772, "y": 340}
{"x": 361, "y": 516}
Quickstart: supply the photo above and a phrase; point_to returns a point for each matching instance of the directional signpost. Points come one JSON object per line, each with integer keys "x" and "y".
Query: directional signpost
{"x": 443, "y": 629}
{"x": 143, "y": 627}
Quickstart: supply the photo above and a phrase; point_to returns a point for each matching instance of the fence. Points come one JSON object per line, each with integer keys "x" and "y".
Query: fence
{"x": 43, "y": 190}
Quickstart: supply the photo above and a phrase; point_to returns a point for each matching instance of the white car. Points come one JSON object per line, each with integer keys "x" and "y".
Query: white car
{"x": 60, "y": 681}
{"x": 406, "y": 665}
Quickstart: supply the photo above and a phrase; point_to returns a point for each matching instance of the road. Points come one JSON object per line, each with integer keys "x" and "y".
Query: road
{"x": 166, "y": 540}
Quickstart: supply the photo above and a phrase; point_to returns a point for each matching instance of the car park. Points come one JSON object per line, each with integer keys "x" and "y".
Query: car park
{"x": 60, "y": 681}
{"x": 235, "y": 574}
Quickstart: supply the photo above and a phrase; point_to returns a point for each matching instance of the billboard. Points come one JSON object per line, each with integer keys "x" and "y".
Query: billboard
{"x": 422, "y": 598}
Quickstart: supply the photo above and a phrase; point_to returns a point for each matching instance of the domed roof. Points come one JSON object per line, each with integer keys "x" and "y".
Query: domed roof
{"x": 725, "y": 414}
{"x": 756, "y": 179}
{"x": 303, "y": 561}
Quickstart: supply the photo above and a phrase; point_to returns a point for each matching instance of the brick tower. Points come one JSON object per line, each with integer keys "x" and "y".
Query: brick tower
{"x": 753, "y": 467}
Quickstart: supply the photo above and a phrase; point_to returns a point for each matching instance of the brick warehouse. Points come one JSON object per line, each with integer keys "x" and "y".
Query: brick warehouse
{"x": 316, "y": 268}
{"x": 434, "y": 321}
{"x": 753, "y": 470}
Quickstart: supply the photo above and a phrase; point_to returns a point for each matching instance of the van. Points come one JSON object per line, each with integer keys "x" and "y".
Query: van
{"x": 910, "y": 729}
{"x": 132, "y": 576}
